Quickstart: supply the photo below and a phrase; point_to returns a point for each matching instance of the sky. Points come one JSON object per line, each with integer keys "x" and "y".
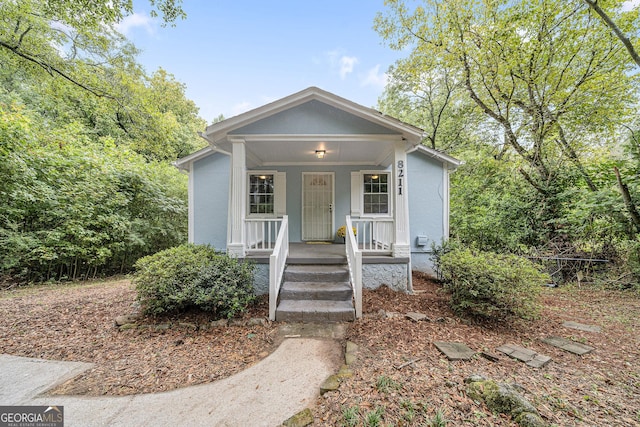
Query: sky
{"x": 237, "y": 55}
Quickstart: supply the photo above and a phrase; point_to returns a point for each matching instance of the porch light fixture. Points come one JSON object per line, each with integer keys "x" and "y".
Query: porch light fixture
{"x": 320, "y": 154}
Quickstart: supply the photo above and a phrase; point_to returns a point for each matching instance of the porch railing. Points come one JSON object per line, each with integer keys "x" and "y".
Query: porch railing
{"x": 277, "y": 262}
{"x": 374, "y": 234}
{"x": 354, "y": 261}
{"x": 261, "y": 233}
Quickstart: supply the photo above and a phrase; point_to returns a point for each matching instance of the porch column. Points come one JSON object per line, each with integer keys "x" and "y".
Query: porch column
{"x": 401, "y": 245}
{"x": 237, "y": 199}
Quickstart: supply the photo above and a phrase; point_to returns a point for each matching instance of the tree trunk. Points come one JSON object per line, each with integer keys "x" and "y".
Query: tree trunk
{"x": 628, "y": 202}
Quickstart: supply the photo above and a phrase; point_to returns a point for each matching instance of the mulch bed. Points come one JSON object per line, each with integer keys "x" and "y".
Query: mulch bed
{"x": 601, "y": 388}
{"x": 76, "y": 323}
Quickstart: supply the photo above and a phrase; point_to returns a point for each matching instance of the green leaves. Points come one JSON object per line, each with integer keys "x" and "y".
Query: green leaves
{"x": 492, "y": 286}
{"x": 194, "y": 276}
{"x": 71, "y": 207}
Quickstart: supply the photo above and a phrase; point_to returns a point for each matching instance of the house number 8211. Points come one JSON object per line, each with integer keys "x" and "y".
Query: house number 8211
{"x": 400, "y": 167}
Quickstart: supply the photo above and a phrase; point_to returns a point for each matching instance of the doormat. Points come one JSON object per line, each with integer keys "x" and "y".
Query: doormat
{"x": 319, "y": 243}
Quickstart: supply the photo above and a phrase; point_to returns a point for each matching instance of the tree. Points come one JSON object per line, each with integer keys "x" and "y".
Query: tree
{"x": 435, "y": 101}
{"x": 535, "y": 70}
{"x": 55, "y": 35}
{"x": 593, "y": 4}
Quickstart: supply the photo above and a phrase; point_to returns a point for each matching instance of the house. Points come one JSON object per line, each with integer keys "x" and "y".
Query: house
{"x": 277, "y": 182}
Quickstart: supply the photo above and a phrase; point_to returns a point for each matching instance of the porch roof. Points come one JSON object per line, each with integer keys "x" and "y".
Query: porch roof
{"x": 291, "y": 130}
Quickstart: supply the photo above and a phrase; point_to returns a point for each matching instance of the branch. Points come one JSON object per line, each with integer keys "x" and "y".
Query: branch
{"x": 51, "y": 70}
{"x": 593, "y": 4}
{"x": 534, "y": 184}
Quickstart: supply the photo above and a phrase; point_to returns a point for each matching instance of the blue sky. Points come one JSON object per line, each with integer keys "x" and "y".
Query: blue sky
{"x": 237, "y": 55}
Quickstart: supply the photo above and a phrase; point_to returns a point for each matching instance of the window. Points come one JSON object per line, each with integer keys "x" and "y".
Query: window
{"x": 261, "y": 194}
{"x": 376, "y": 193}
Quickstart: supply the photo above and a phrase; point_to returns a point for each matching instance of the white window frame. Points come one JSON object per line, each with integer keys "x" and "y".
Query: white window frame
{"x": 390, "y": 186}
{"x": 279, "y": 194}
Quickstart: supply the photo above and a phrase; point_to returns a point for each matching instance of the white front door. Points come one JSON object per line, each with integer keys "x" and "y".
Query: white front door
{"x": 317, "y": 205}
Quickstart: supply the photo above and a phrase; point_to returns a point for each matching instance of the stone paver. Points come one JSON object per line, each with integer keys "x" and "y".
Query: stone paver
{"x": 581, "y": 326}
{"x": 455, "y": 350}
{"x": 528, "y": 356}
{"x": 417, "y": 317}
{"x": 567, "y": 345}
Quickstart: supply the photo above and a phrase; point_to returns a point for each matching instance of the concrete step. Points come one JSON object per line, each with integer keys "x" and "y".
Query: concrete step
{"x": 332, "y": 291}
{"x": 315, "y": 311}
{"x": 316, "y": 273}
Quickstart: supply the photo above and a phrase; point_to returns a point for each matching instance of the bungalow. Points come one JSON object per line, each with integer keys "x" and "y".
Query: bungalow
{"x": 324, "y": 195}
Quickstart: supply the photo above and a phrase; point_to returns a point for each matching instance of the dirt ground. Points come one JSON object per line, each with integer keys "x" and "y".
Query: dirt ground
{"x": 76, "y": 323}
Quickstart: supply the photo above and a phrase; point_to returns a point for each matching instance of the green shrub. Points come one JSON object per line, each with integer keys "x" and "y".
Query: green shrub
{"x": 492, "y": 286}
{"x": 193, "y": 276}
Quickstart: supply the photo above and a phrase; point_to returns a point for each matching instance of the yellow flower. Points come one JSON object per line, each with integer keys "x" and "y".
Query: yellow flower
{"x": 342, "y": 231}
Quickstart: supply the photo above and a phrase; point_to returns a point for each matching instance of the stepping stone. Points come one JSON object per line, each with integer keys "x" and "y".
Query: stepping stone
{"x": 455, "y": 350}
{"x": 529, "y": 357}
{"x": 417, "y": 317}
{"x": 581, "y": 326}
{"x": 570, "y": 346}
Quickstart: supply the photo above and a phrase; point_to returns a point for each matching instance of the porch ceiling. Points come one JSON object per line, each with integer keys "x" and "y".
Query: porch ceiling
{"x": 371, "y": 150}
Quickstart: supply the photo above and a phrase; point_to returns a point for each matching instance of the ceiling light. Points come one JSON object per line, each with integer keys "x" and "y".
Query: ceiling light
{"x": 320, "y": 154}
{"x": 374, "y": 176}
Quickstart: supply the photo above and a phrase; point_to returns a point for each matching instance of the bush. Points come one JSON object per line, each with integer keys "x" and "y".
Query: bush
{"x": 493, "y": 286}
{"x": 193, "y": 276}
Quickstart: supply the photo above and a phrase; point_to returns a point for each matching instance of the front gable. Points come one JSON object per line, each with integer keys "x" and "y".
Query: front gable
{"x": 313, "y": 118}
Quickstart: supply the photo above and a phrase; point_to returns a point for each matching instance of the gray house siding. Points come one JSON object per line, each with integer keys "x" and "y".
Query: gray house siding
{"x": 211, "y": 200}
{"x": 427, "y": 190}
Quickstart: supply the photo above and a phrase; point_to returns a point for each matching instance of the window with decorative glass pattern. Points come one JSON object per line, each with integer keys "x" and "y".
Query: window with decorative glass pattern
{"x": 376, "y": 193}
{"x": 261, "y": 194}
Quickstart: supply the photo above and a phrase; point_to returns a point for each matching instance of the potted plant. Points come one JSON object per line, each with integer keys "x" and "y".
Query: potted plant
{"x": 342, "y": 232}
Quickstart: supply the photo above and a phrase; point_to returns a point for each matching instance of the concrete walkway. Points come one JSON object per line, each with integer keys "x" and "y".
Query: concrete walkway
{"x": 265, "y": 394}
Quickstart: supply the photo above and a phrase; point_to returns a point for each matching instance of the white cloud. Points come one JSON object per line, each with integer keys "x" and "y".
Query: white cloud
{"x": 375, "y": 78}
{"x": 342, "y": 63}
{"x": 630, "y": 4}
{"x": 137, "y": 20}
{"x": 346, "y": 65}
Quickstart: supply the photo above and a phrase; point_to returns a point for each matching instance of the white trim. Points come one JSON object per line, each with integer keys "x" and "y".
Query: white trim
{"x": 402, "y": 244}
{"x": 333, "y": 203}
{"x": 444, "y": 158}
{"x": 296, "y": 138}
{"x": 280, "y": 194}
{"x": 390, "y": 193}
{"x": 445, "y": 203}
{"x": 237, "y": 213}
{"x": 190, "y": 207}
{"x": 248, "y": 191}
{"x": 186, "y": 162}
{"x": 356, "y": 194}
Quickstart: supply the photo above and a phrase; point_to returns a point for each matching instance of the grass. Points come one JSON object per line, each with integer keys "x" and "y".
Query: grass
{"x": 438, "y": 420}
{"x": 386, "y": 384}
{"x": 350, "y": 416}
{"x": 374, "y": 418}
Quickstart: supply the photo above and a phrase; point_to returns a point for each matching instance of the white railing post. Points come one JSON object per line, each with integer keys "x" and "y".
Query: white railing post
{"x": 374, "y": 235}
{"x": 277, "y": 263}
{"x": 260, "y": 234}
{"x": 354, "y": 261}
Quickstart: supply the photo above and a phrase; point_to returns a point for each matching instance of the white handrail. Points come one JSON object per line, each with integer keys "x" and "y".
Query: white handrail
{"x": 354, "y": 261}
{"x": 374, "y": 234}
{"x": 277, "y": 263}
